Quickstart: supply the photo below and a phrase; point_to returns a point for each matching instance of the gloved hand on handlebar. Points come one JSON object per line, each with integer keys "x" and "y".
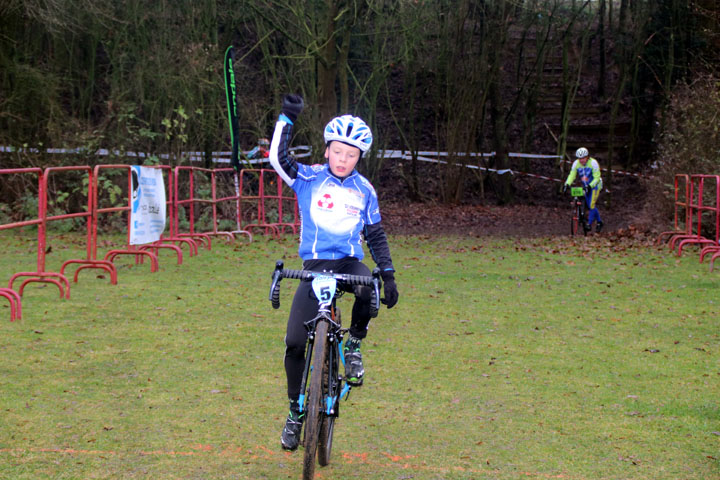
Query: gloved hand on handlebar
{"x": 587, "y": 189}
{"x": 390, "y": 289}
{"x": 564, "y": 187}
{"x": 292, "y": 105}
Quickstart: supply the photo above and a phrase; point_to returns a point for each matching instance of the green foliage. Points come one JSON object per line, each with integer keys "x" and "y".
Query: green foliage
{"x": 137, "y": 75}
{"x": 688, "y": 144}
{"x": 29, "y": 204}
{"x": 107, "y": 186}
{"x": 5, "y": 213}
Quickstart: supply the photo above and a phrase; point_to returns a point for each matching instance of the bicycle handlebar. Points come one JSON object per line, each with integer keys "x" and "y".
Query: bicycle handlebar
{"x": 345, "y": 278}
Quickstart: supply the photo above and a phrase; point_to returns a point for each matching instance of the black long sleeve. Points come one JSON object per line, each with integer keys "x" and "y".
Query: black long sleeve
{"x": 378, "y": 246}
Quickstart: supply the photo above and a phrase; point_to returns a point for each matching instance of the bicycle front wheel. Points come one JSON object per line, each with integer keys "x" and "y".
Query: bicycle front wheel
{"x": 328, "y": 421}
{"x": 325, "y": 444}
{"x": 313, "y": 421}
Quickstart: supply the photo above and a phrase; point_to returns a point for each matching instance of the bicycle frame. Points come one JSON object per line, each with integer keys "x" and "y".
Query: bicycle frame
{"x": 328, "y": 313}
{"x": 321, "y": 401}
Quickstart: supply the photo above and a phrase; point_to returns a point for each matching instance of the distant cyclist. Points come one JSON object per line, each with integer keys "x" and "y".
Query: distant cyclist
{"x": 588, "y": 170}
{"x": 261, "y": 150}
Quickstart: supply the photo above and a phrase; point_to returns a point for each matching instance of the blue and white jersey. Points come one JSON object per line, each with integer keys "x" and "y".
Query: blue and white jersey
{"x": 333, "y": 212}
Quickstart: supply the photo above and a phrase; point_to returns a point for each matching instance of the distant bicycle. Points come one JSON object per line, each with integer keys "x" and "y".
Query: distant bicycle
{"x": 322, "y": 386}
{"x": 579, "y": 219}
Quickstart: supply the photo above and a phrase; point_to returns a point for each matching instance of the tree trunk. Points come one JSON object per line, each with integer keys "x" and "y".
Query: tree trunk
{"x": 327, "y": 66}
{"x": 601, "y": 50}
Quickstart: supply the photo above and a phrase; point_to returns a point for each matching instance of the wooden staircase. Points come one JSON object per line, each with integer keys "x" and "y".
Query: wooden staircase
{"x": 589, "y": 116}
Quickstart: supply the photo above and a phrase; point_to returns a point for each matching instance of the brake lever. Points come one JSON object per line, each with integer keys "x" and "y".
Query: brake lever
{"x": 274, "y": 296}
{"x": 376, "y": 283}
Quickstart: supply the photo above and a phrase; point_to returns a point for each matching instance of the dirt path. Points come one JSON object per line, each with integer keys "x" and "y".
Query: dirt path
{"x": 517, "y": 220}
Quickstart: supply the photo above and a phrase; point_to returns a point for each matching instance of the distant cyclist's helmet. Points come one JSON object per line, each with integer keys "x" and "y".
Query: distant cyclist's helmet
{"x": 351, "y": 130}
{"x": 582, "y": 152}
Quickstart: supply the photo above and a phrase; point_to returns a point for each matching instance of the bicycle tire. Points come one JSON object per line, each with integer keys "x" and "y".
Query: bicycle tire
{"x": 325, "y": 440}
{"x": 574, "y": 221}
{"x": 313, "y": 420}
{"x": 581, "y": 217}
{"x": 328, "y": 422}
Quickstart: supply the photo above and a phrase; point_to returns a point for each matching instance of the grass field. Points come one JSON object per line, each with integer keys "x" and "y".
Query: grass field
{"x": 504, "y": 359}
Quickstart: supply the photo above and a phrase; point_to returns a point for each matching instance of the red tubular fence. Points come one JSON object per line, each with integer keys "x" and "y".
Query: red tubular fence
{"x": 214, "y": 201}
{"x": 169, "y": 242}
{"x": 683, "y": 198}
{"x": 130, "y": 249}
{"x": 696, "y": 198}
{"x": 9, "y": 293}
{"x": 40, "y": 275}
{"x": 268, "y": 203}
{"x": 235, "y": 198}
{"x": 701, "y": 207}
{"x": 249, "y": 186}
{"x": 88, "y": 261}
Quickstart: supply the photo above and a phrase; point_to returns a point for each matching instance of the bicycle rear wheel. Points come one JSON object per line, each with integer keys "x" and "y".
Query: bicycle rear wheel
{"x": 315, "y": 415}
{"x": 583, "y": 221}
{"x": 574, "y": 221}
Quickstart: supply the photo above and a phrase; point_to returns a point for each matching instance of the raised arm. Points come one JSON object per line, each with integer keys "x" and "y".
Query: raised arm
{"x": 280, "y": 158}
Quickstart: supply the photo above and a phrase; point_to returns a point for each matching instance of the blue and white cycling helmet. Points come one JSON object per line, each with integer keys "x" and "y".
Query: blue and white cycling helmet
{"x": 351, "y": 130}
{"x": 582, "y": 152}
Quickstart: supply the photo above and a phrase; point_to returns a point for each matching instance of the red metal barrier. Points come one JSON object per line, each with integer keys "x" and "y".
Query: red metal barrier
{"x": 227, "y": 198}
{"x": 683, "y": 199}
{"x": 193, "y": 200}
{"x": 13, "y": 296}
{"x": 284, "y": 202}
{"x": 131, "y": 249}
{"x": 88, "y": 261}
{"x": 255, "y": 185}
{"x": 698, "y": 207}
{"x": 260, "y": 187}
{"x": 15, "y": 303}
{"x": 39, "y": 276}
{"x": 169, "y": 241}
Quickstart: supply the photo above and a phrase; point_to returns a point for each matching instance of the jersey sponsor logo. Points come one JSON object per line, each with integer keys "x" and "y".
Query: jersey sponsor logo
{"x": 326, "y": 202}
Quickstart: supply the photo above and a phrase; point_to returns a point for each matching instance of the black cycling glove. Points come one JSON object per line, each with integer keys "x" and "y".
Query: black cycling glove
{"x": 390, "y": 289}
{"x": 564, "y": 188}
{"x": 292, "y": 105}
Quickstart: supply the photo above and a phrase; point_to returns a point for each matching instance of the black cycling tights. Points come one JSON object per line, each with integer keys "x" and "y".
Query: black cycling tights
{"x": 305, "y": 306}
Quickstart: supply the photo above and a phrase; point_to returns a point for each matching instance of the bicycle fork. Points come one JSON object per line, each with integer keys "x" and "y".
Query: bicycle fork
{"x": 331, "y": 394}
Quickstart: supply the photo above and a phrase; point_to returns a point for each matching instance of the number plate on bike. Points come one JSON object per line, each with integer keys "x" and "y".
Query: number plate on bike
{"x": 324, "y": 288}
{"x": 577, "y": 192}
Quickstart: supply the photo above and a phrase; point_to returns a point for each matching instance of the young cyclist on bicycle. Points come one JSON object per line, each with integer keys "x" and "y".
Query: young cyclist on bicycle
{"x": 588, "y": 169}
{"x": 338, "y": 208}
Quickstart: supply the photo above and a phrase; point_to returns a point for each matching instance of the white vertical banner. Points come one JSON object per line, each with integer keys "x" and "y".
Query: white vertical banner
{"x": 148, "y": 208}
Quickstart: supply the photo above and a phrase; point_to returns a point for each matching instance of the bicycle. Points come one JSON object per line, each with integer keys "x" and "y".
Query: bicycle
{"x": 578, "y": 211}
{"x": 323, "y": 356}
